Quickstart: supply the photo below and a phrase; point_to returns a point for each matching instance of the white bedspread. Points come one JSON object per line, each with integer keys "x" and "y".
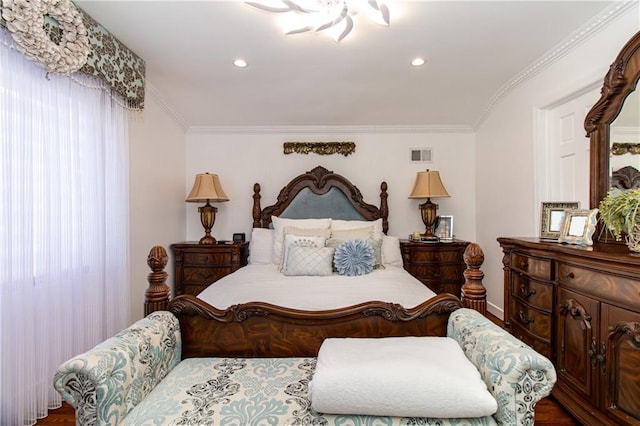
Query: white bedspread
{"x": 264, "y": 283}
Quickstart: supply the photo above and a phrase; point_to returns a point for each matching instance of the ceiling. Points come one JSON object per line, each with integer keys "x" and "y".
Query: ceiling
{"x": 475, "y": 51}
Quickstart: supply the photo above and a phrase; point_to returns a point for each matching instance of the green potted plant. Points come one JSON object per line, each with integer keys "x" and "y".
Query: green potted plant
{"x": 619, "y": 212}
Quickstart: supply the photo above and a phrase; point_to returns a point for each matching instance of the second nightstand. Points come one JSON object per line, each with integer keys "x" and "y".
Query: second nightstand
{"x": 198, "y": 265}
{"x": 440, "y": 266}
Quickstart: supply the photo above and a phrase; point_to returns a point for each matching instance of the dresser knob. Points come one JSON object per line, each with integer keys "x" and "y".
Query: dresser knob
{"x": 526, "y": 292}
{"x": 569, "y": 275}
{"x": 523, "y": 318}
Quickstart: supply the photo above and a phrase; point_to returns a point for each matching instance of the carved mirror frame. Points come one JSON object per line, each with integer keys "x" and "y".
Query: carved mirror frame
{"x": 620, "y": 81}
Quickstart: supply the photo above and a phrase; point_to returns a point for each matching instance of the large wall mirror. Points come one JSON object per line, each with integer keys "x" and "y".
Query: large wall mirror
{"x": 613, "y": 124}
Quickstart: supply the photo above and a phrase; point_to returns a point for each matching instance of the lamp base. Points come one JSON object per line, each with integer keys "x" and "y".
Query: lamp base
{"x": 207, "y": 218}
{"x": 207, "y": 239}
{"x": 429, "y": 218}
{"x": 429, "y": 238}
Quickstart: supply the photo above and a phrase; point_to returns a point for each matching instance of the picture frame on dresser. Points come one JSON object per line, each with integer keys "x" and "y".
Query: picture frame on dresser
{"x": 552, "y": 216}
{"x": 444, "y": 230}
{"x": 578, "y": 227}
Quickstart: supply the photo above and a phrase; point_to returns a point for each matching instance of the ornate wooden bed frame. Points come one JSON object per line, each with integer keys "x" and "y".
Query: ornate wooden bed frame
{"x": 259, "y": 329}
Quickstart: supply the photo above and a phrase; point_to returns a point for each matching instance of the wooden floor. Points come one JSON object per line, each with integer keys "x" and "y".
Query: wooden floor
{"x": 548, "y": 411}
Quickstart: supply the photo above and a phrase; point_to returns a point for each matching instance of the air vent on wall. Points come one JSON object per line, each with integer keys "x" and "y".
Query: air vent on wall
{"x": 421, "y": 155}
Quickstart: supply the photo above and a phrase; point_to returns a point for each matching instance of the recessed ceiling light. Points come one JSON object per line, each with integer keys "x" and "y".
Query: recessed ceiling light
{"x": 240, "y": 63}
{"x": 416, "y": 62}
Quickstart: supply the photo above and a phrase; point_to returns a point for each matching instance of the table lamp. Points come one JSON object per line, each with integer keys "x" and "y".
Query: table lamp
{"x": 207, "y": 188}
{"x": 428, "y": 185}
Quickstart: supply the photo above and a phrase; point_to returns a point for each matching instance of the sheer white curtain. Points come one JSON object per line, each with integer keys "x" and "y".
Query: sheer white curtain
{"x": 64, "y": 272}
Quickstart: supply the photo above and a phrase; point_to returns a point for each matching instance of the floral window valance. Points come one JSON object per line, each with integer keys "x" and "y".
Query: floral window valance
{"x": 61, "y": 37}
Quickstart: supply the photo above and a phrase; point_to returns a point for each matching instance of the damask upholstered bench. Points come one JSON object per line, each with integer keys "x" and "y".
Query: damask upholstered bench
{"x": 138, "y": 378}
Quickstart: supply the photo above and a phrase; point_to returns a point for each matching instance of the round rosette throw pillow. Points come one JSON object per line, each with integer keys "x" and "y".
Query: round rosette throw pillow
{"x": 354, "y": 257}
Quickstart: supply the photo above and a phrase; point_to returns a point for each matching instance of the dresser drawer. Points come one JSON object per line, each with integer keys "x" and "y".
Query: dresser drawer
{"x": 436, "y": 272}
{"x": 532, "y": 266}
{"x": 207, "y": 259}
{"x": 609, "y": 287}
{"x": 203, "y": 276}
{"x": 536, "y": 322}
{"x": 543, "y": 346}
{"x": 193, "y": 289}
{"x": 534, "y": 293}
{"x": 428, "y": 256}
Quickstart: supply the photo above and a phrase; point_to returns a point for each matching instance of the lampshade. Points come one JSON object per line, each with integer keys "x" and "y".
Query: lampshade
{"x": 207, "y": 187}
{"x": 428, "y": 185}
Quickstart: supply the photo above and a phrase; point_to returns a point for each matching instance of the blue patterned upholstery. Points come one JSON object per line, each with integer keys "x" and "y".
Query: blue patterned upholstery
{"x": 131, "y": 379}
{"x": 107, "y": 382}
{"x": 516, "y": 375}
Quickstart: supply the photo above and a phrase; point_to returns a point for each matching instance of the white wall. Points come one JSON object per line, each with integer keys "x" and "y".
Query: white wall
{"x": 490, "y": 174}
{"x": 241, "y": 159}
{"x": 506, "y": 150}
{"x": 157, "y": 180}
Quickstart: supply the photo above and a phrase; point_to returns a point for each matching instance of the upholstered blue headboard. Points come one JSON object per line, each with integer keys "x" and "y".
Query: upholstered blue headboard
{"x": 333, "y": 204}
{"x": 320, "y": 193}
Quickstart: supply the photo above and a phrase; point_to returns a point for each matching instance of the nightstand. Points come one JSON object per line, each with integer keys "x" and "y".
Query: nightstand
{"x": 198, "y": 265}
{"x": 440, "y": 266}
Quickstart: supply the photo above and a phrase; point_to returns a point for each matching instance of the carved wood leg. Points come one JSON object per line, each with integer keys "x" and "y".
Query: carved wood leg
{"x": 156, "y": 296}
{"x": 474, "y": 294}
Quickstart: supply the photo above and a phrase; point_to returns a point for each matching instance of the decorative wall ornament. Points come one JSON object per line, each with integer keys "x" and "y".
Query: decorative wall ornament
{"x": 621, "y": 148}
{"x": 321, "y": 148}
{"x": 107, "y": 59}
{"x": 25, "y": 20}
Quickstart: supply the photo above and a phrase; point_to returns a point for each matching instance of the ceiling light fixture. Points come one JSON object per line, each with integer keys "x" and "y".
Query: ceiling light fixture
{"x": 416, "y": 62}
{"x": 319, "y": 15}
{"x": 240, "y": 63}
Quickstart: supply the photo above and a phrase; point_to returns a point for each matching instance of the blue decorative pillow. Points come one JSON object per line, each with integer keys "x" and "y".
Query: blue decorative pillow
{"x": 354, "y": 257}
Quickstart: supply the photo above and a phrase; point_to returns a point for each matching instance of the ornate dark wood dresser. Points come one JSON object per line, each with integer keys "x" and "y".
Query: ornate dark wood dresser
{"x": 580, "y": 306}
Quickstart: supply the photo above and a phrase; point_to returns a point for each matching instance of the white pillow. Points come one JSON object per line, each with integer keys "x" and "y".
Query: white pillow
{"x": 398, "y": 376}
{"x": 260, "y": 246}
{"x": 391, "y": 254}
{"x": 292, "y": 240}
{"x": 307, "y": 231}
{"x": 316, "y": 261}
{"x": 311, "y": 232}
{"x": 278, "y": 227}
{"x": 337, "y": 224}
{"x": 352, "y": 234}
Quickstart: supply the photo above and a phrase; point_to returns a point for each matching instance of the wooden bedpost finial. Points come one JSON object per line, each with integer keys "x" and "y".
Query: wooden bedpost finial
{"x": 257, "y": 211}
{"x": 474, "y": 294}
{"x": 156, "y": 296}
{"x": 384, "y": 207}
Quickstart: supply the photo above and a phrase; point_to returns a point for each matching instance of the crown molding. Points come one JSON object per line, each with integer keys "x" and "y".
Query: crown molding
{"x": 329, "y": 129}
{"x": 583, "y": 33}
{"x": 165, "y": 106}
{"x": 625, "y": 130}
